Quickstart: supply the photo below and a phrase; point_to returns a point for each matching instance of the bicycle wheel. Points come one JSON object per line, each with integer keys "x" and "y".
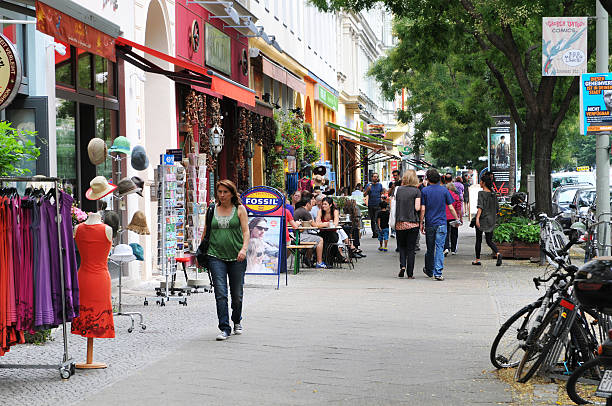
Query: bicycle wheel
{"x": 508, "y": 346}
{"x": 582, "y": 384}
{"x": 537, "y": 347}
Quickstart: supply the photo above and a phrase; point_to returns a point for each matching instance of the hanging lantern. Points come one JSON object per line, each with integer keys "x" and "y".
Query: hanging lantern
{"x": 217, "y": 138}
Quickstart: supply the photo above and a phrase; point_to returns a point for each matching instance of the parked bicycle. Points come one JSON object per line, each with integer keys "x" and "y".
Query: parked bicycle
{"x": 591, "y": 383}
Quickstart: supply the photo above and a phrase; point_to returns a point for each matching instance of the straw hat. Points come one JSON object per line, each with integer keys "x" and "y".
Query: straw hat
{"x": 122, "y": 253}
{"x": 121, "y": 144}
{"x": 127, "y": 186}
{"x": 139, "y": 224}
{"x": 97, "y": 150}
{"x": 99, "y": 188}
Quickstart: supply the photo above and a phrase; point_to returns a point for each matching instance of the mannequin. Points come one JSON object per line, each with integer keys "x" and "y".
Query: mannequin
{"x": 100, "y": 254}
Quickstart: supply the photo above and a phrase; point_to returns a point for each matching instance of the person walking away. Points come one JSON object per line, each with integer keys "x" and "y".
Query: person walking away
{"x": 466, "y": 195}
{"x": 460, "y": 189}
{"x": 382, "y": 223}
{"x": 452, "y": 225}
{"x": 229, "y": 241}
{"x": 353, "y": 229}
{"x": 302, "y": 214}
{"x": 407, "y": 206}
{"x": 373, "y": 192}
{"x": 485, "y": 217}
{"x": 434, "y": 200}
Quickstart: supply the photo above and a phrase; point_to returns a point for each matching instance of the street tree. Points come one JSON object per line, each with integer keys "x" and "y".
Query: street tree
{"x": 506, "y": 34}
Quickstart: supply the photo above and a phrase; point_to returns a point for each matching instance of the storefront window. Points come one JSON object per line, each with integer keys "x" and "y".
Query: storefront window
{"x": 106, "y": 126}
{"x": 65, "y": 124}
{"x": 63, "y": 67}
{"x": 84, "y": 71}
{"x": 104, "y": 76}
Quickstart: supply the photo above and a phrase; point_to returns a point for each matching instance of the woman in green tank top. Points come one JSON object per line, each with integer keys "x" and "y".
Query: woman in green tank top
{"x": 229, "y": 239}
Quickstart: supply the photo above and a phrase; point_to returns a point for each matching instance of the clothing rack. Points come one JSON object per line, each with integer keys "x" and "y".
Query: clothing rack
{"x": 67, "y": 366}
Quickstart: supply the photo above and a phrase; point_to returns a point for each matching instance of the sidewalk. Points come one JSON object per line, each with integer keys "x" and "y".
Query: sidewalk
{"x": 330, "y": 337}
{"x": 341, "y": 337}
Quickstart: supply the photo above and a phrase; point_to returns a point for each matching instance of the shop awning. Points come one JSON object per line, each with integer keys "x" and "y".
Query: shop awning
{"x": 226, "y": 87}
{"x": 354, "y": 136}
{"x": 282, "y": 75}
{"x": 73, "y": 24}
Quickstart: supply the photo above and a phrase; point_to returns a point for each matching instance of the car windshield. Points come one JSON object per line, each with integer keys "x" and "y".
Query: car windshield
{"x": 587, "y": 198}
{"x": 566, "y": 196}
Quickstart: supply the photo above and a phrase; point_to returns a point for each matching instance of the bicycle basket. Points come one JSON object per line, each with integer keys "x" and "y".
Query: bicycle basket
{"x": 593, "y": 285}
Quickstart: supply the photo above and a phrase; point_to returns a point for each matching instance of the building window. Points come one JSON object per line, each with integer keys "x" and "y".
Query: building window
{"x": 65, "y": 124}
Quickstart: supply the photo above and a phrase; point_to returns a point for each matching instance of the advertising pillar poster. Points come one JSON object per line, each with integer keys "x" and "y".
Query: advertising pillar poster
{"x": 595, "y": 103}
{"x": 500, "y": 154}
{"x": 267, "y": 231}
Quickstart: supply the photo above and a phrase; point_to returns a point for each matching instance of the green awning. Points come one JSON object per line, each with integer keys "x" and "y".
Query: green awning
{"x": 361, "y": 136}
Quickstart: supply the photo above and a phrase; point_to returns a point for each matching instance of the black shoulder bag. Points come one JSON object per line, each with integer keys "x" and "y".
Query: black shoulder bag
{"x": 202, "y": 252}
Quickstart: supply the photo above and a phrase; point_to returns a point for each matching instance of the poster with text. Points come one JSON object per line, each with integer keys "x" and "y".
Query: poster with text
{"x": 564, "y": 46}
{"x": 264, "y": 245}
{"x": 595, "y": 103}
{"x": 501, "y": 154}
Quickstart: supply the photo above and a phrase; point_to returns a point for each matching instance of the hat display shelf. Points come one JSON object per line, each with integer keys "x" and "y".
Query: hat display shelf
{"x": 121, "y": 260}
{"x": 170, "y": 184}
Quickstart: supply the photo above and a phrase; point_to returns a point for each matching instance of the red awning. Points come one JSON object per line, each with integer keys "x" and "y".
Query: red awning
{"x": 226, "y": 87}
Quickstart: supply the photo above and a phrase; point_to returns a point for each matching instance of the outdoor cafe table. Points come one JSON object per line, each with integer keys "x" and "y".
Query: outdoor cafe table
{"x": 298, "y": 230}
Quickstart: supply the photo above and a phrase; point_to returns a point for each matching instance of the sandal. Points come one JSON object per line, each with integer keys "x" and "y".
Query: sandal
{"x": 476, "y": 263}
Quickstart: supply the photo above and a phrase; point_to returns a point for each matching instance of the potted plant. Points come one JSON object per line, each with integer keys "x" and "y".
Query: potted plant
{"x": 517, "y": 237}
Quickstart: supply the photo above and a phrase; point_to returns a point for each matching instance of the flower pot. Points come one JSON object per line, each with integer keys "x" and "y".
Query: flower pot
{"x": 292, "y": 151}
{"x": 278, "y": 149}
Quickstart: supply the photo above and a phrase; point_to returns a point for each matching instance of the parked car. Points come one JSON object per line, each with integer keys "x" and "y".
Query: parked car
{"x": 572, "y": 178}
{"x": 561, "y": 200}
{"x": 583, "y": 200}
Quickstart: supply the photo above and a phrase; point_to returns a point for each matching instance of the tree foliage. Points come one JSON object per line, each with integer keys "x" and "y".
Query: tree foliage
{"x": 505, "y": 35}
{"x": 15, "y": 146}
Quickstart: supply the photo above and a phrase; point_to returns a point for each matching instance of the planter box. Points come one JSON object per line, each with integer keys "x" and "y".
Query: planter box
{"x": 523, "y": 250}
{"x": 518, "y": 250}
{"x": 506, "y": 249}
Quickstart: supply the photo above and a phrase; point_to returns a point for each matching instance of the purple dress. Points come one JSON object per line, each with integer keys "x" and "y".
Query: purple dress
{"x": 69, "y": 256}
{"x": 43, "y": 308}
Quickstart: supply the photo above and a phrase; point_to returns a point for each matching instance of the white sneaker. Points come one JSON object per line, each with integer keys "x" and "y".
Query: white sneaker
{"x": 222, "y": 336}
{"x": 446, "y": 252}
{"x": 237, "y": 329}
{"x": 454, "y": 252}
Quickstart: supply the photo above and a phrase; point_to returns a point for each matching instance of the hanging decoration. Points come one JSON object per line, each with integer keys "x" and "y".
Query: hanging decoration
{"x": 214, "y": 114}
{"x": 244, "y": 135}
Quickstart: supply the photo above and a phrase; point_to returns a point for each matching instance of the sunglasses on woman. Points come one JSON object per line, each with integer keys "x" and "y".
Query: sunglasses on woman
{"x": 262, "y": 228}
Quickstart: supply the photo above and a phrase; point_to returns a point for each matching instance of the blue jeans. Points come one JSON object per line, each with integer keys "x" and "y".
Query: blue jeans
{"x": 221, "y": 271}
{"x": 435, "y": 237}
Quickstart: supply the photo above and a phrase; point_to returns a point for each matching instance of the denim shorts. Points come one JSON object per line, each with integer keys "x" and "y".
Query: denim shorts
{"x": 383, "y": 234}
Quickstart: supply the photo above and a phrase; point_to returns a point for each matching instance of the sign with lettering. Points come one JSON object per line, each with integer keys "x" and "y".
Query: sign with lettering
{"x": 501, "y": 154}
{"x": 218, "y": 50}
{"x": 10, "y": 72}
{"x": 596, "y": 103}
{"x": 262, "y": 200}
{"x": 326, "y": 97}
{"x": 564, "y": 46}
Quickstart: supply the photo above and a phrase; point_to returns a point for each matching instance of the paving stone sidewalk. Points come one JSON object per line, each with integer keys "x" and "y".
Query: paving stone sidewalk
{"x": 330, "y": 337}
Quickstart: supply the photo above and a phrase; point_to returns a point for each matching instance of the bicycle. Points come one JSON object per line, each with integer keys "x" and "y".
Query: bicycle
{"x": 515, "y": 334}
{"x": 553, "y": 239}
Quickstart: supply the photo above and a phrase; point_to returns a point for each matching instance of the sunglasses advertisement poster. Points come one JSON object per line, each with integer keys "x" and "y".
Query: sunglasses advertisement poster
{"x": 266, "y": 253}
{"x": 265, "y": 245}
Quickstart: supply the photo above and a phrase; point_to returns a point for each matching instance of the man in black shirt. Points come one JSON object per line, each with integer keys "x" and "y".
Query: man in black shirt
{"x": 302, "y": 213}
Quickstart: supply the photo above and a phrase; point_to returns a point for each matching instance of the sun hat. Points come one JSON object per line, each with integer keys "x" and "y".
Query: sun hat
{"x": 138, "y": 224}
{"x": 140, "y": 160}
{"x": 139, "y": 184}
{"x": 111, "y": 218}
{"x": 127, "y": 186}
{"x": 122, "y": 253}
{"x": 121, "y": 144}
{"x": 99, "y": 188}
{"x": 138, "y": 251}
{"x": 97, "y": 151}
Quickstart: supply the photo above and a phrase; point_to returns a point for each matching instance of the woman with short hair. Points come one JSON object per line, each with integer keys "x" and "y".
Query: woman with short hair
{"x": 229, "y": 241}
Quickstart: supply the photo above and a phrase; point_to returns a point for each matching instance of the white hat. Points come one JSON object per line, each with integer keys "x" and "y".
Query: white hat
{"x": 123, "y": 253}
{"x": 99, "y": 188}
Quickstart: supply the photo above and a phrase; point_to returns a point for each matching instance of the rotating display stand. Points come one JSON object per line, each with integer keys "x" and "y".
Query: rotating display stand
{"x": 170, "y": 182}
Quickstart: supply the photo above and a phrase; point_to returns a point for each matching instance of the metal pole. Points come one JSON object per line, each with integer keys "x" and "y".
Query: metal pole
{"x": 603, "y": 142}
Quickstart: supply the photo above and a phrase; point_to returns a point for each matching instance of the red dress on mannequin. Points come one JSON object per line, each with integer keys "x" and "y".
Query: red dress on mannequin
{"x": 96, "y": 310}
